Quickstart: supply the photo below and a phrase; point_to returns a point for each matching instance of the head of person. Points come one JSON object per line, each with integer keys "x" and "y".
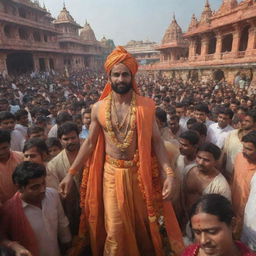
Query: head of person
{"x": 201, "y": 112}
{"x": 6, "y": 251}
{"x": 234, "y": 104}
{"x": 22, "y": 117}
{"x": 249, "y": 146}
{"x": 36, "y": 132}
{"x": 161, "y": 117}
{"x": 225, "y": 116}
{"x": 29, "y": 177}
{"x": 77, "y": 119}
{"x": 4, "y": 105}
{"x": 35, "y": 150}
{"x": 212, "y": 220}
{"x": 121, "y": 68}
{"x": 7, "y": 121}
{"x": 62, "y": 118}
{"x": 189, "y": 141}
{"x": 86, "y": 117}
{"x": 68, "y": 134}
{"x": 249, "y": 121}
{"x": 54, "y": 146}
{"x": 180, "y": 109}
{"x": 174, "y": 123}
{"x": 190, "y": 122}
{"x": 201, "y": 129}
{"x": 241, "y": 112}
{"x": 5, "y": 143}
{"x": 207, "y": 156}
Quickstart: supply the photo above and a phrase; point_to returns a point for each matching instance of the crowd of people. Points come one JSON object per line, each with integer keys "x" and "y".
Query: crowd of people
{"x": 209, "y": 132}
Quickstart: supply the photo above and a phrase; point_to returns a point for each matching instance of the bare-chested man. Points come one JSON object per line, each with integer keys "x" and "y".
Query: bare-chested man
{"x": 204, "y": 178}
{"x": 120, "y": 186}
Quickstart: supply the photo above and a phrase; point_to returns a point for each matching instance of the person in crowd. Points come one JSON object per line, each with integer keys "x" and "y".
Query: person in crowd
{"x": 201, "y": 130}
{"x": 233, "y": 142}
{"x": 201, "y": 113}
{"x": 181, "y": 113}
{"x": 212, "y": 220}
{"x": 249, "y": 224}
{"x": 34, "y": 215}
{"x": 7, "y": 122}
{"x": 36, "y": 132}
{"x": 244, "y": 169}
{"x": 218, "y": 132}
{"x": 204, "y": 178}
{"x": 8, "y": 161}
{"x": 35, "y": 150}
{"x": 22, "y": 122}
{"x": 68, "y": 134}
{"x": 86, "y": 118}
{"x": 54, "y": 147}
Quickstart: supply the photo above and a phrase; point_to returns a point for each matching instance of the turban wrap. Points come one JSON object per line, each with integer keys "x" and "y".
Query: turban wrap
{"x": 120, "y": 55}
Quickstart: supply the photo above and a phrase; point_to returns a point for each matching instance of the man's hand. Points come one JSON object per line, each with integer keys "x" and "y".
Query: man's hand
{"x": 168, "y": 188}
{"x": 19, "y": 249}
{"x": 65, "y": 185}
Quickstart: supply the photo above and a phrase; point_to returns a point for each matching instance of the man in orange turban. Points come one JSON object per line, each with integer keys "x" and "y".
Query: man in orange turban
{"x": 122, "y": 195}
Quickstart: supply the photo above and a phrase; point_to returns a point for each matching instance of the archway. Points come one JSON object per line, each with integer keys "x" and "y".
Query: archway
{"x": 218, "y": 75}
{"x": 18, "y": 63}
{"x": 227, "y": 42}
{"x": 244, "y": 38}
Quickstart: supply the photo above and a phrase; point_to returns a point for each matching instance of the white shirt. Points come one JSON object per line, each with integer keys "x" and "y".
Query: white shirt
{"x": 249, "y": 227}
{"x": 17, "y": 141}
{"x": 49, "y": 223}
{"x": 217, "y": 135}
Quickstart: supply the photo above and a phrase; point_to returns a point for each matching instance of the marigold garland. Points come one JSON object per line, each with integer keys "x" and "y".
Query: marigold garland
{"x": 122, "y": 145}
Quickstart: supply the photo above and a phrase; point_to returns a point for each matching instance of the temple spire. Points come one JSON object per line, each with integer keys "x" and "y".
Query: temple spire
{"x": 206, "y": 14}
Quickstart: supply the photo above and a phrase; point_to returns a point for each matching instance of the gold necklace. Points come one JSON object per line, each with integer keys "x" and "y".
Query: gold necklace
{"x": 122, "y": 145}
{"x": 120, "y": 126}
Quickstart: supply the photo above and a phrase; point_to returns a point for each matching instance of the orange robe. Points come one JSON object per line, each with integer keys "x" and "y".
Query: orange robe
{"x": 243, "y": 173}
{"x": 95, "y": 191}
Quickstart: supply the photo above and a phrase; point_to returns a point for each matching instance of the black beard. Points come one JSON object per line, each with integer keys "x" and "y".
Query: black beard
{"x": 122, "y": 90}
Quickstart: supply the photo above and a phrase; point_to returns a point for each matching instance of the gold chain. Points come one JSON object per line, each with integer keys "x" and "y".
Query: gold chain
{"x": 122, "y": 145}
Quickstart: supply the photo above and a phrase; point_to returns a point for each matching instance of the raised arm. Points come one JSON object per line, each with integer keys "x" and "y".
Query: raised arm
{"x": 84, "y": 152}
{"x": 164, "y": 161}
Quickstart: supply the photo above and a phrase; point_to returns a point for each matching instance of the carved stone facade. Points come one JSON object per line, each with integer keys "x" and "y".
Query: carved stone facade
{"x": 144, "y": 51}
{"x": 218, "y": 45}
{"x": 32, "y": 40}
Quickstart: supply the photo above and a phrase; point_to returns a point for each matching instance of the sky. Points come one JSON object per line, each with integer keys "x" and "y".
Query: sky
{"x": 125, "y": 20}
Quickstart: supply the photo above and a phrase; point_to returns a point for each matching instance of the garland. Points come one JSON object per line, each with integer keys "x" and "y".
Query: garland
{"x": 122, "y": 145}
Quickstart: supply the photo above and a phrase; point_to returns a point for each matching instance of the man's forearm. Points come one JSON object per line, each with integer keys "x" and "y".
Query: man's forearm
{"x": 82, "y": 156}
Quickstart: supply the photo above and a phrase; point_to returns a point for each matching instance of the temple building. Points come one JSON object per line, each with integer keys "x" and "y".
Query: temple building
{"x": 32, "y": 40}
{"x": 216, "y": 46}
{"x": 143, "y": 51}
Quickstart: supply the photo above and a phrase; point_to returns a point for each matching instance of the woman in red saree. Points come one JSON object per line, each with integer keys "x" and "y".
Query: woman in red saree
{"x": 212, "y": 221}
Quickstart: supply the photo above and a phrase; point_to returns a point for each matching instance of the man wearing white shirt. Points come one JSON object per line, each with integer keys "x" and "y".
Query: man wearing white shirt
{"x": 218, "y": 132}
{"x": 249, "y": 227}
{"x": 34, "y": 216}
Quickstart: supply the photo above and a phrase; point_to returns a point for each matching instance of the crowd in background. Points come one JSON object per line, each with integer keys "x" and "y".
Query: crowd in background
{"x": 209, "y": 130}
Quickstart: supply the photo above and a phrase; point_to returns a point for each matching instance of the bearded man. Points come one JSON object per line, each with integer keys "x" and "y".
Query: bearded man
{"x": 121, "y": 190}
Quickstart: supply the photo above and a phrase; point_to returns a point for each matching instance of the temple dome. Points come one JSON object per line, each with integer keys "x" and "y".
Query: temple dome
{"x": 65, "y": 16}
{"x": 193, "y": 23}
{"x": 173, "y": 33}
{"x": 87, "y": 33}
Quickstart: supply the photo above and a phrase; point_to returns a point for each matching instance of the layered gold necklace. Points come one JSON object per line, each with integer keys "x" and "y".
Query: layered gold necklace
{"x": 128, "y": 134}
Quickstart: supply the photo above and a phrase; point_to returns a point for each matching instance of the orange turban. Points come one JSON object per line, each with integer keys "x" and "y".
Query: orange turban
{"x": 120, "y": 55}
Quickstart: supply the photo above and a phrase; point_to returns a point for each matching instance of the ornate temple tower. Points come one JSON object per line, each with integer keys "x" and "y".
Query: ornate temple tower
{"x": 193, "y": 22}
{"x": 206, "y": 14}
{"x": 86, "y": 33}
{"x": 173, "y": 45}
{"x": 227, "y": 6}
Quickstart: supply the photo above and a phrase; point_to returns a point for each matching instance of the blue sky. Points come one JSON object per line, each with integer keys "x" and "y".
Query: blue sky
{"x": 125, "y": 20}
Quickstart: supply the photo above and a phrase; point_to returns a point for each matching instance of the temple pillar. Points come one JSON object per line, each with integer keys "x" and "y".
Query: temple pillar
{"x": 236, "y": 42}
{"x": 192, "y": 49}
{"x": 217, "y": 54}
{"x": 204, "y": 46}
{"x": 251, "y": 38}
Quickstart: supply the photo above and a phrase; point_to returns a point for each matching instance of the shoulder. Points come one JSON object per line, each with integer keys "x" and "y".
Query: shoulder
{"x": 51, "y": 193}
{"x": 144, "y": 101}
{"x": 17, "y": 155}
